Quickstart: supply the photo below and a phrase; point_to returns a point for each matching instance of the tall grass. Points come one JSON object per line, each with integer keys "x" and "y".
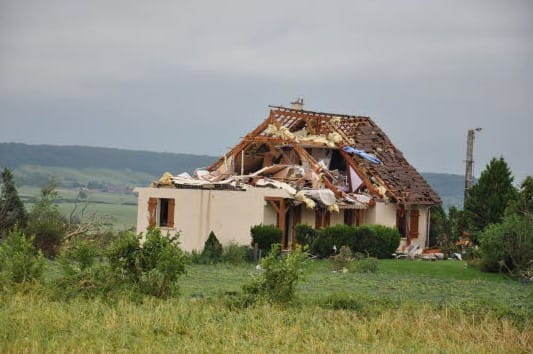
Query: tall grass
{"x": 393, "y": 310}
{"x": 30, "y": 323}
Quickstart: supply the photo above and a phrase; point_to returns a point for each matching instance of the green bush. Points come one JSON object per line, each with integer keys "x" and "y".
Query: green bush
{"x": 46, "y": 223}
{"x": 373, "y": 240}
{"x": 341, "y": 261}
{"x": 508, "y": 246}
{"x": 20, "y": 262}
{"x": 364, "y": 239}
{"x": 152, "y": 268}
{"x": 381, "y": 242}
{"x": 333, "y": 237}
{"x": 265, "y": 236}
{"x": 277, "y": 282}
{"x": 83, "y": 253}
{"x": 305, "y": 235}
{"x": 90, "y": 282}
{"x": 235, "y": 254}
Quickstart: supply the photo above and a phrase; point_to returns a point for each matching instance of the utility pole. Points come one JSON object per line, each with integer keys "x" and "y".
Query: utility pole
{"x": 469, "y": 178}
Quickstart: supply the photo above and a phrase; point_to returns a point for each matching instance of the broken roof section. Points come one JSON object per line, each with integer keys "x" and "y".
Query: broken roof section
{"x": 349, "y": 155}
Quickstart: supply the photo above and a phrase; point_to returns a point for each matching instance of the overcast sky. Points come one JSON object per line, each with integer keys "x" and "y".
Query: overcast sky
{"x": 196, "y": 76}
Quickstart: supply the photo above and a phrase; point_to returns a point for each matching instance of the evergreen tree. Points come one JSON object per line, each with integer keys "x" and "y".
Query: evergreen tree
{"x": 212, "y": 248}
{"x": 438, "y": 226}
{"x": 523, "y": 204}
{"x": 486, "y": 201}
{"x": 12, "y": 210}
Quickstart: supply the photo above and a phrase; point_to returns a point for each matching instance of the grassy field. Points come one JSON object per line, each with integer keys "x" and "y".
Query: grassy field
{"x": 407, "y": 306}
{"x": 122, "y": 208}
{"x": 33, "y": 174}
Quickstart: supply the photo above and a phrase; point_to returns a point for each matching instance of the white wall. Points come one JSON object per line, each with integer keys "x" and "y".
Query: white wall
{"x": 230, "y": 214}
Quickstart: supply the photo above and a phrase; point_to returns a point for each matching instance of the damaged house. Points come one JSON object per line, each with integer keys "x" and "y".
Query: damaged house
{"x": 297, "y": 166}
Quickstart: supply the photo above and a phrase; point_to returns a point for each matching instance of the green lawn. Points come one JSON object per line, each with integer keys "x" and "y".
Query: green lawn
{"x": 443, "y": 284}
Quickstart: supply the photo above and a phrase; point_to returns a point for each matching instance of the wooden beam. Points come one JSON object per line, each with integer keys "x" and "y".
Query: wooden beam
{"x": 368, "y": 184}
{"x": 243, "y": 144}
{"x": 281, "y": 206}
{"x": 282, "y": 220}
{"x": 304, "y": 155}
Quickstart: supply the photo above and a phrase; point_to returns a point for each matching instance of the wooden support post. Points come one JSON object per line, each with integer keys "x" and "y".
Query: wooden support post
{"x": 281, "y": 207}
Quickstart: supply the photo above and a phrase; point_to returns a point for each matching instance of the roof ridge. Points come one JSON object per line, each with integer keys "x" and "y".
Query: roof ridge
{"x": 305, "y": 111}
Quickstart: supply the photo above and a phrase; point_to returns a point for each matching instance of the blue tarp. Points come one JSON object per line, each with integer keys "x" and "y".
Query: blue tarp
{"x": 362, "y": 153}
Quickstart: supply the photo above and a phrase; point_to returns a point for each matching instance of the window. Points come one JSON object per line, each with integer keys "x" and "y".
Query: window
{"x": 400, "y": 221}
{"x": 161, "y": 212}
{"x": 349, "y": 217}
{"x": 407, "y": 222}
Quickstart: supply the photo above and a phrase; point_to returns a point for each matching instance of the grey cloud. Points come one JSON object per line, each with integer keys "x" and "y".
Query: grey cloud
{"x": 172, "y": 70}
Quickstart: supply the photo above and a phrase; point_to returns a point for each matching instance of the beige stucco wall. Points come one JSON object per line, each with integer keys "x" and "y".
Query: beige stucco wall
{"x": 230, "y": 214}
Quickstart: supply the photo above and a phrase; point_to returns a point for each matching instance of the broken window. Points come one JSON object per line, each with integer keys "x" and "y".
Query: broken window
{"x": 161, "y": 212}
{"x": 407, "y": 222}
{"x": 401, "y": 223}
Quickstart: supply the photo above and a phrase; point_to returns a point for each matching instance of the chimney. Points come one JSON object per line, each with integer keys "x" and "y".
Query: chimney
{"x": 298, "y": 104}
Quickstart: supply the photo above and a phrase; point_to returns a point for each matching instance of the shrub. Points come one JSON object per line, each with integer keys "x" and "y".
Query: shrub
{"x": 277, "y": 283}
{"x": 152, "y": 268}
{"x": 342, "y": 260}
{"x": 385, "y": 241}
{"x": 235, "y": 254}
{"x": 364, "y": 239}
{"x": 20, "y": 262}
{"x": 123, "y": 255}
{"x": 83, "y": 253}
{"x": 508, "y": 246}
{"x": 93, "y": 281}
{"x": 305, "y": 235}
{"x": 46, "y": 223}
{"x": 162, "y": 264}
{"x": 265, "y": 236}
{"x": 212, "y": 249}
{"x": 333, "y": 237}
{"x": 322, "y": 246}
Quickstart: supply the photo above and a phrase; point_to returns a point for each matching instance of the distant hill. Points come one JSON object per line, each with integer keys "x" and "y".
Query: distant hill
{"x": 450, "y": 188}
{"x": 73, "y": 166}
{"x": 76, "y": 166}
{"x": 13, "y": 155}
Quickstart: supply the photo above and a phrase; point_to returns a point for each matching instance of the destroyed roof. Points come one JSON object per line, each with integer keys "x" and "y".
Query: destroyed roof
{"x": 402, "y": 182}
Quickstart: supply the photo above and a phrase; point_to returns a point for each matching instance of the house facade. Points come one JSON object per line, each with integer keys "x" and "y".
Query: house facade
{"x": 297, "y": 166}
